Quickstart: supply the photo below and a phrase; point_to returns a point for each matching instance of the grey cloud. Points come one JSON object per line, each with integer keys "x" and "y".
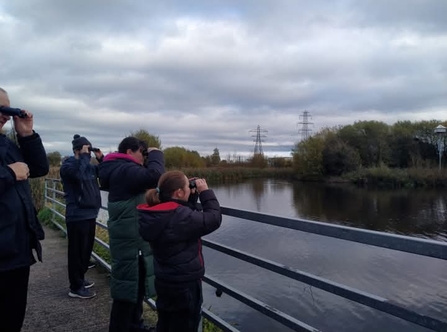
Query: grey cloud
{"x": 202, "y": 75}
{"x": 422, "y": 16}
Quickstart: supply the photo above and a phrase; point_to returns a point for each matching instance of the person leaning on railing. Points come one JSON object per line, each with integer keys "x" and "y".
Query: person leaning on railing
{"x": 127, "y": 175}
{"x": 20, "y": 230}
{"x": 172, "y": 224}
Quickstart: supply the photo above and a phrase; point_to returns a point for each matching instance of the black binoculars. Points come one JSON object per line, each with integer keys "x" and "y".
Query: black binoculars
{"x": 93, "y": 149}
{"x": 13, "y": 111}
{"x": 192, "y": 184}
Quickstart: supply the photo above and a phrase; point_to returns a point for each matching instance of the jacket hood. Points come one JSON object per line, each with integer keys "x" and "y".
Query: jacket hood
{"x": 109, "y": 164}
{"x": 118, "y": 155}
{"x": 154, "y": 219}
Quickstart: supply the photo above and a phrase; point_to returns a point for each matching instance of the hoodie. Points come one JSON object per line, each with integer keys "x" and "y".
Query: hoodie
{"x": 173, "y": 229}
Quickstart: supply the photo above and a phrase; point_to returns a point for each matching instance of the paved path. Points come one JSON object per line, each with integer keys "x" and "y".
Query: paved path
{"x": 49, "y": 307}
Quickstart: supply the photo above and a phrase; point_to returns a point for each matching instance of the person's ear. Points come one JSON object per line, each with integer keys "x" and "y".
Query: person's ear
{"x": 180, "y": 193}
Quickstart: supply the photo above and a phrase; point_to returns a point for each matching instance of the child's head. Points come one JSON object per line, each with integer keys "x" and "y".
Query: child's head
{"x": 172, "y": 185}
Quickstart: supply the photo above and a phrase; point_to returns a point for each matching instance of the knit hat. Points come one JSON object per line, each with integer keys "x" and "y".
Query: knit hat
{"x": 79, "y": 141}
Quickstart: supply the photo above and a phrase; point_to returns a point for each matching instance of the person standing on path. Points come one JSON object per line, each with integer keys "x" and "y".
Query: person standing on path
{"x": 127, "y": 175}
{"x": 20, "y": 230}
{"x": 83, "y": 201}
{"x": 172, "y": 224}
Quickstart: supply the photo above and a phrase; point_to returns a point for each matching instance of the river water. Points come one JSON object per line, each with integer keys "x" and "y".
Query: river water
{"x": 418, "y": 283}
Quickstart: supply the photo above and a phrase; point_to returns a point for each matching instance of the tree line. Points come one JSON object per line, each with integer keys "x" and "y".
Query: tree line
{"x": 368, "y": 144}
{"x": 181, "y": 157}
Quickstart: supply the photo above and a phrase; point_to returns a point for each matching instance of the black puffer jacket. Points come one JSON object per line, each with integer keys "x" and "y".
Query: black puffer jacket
{"x": 173, "y": 230}
{"x": 20, "y": 231}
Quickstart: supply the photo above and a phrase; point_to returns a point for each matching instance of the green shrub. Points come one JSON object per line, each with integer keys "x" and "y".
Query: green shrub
{"x": 45, "y": 216}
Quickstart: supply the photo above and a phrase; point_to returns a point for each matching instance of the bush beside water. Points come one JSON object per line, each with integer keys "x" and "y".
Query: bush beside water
{"x": 399, "y": 178}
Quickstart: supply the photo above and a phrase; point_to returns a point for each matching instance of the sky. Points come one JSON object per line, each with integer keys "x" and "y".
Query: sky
{"x": 206, "y": 74}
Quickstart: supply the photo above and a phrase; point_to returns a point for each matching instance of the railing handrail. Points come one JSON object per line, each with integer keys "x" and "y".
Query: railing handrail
{"x": 409, "y": 244}
{"x": 422, "y": 247}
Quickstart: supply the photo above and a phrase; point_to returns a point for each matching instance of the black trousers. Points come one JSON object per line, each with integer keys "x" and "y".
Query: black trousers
{"x": 81, "y": 237}
{"x": 13, "y": 296}
{"x": 179, "y": 307}
{"x": 127, "y": 316}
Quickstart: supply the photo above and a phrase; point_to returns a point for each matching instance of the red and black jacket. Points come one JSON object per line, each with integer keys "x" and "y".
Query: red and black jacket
{"x": 173, "y": 230}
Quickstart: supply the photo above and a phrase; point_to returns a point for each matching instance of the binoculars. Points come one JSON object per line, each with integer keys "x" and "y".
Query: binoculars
{"x": 93, "y": 149}
{"x": 12, "y": 111}
{"x": 192, "y": 184}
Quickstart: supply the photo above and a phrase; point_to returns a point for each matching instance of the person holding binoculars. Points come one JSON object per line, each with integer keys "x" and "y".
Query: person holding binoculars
{"x": 172, "y": 224}
{"x": 83, "y": 201}
{"x": 126, "y": 175}
{"x": 20, "y": 230}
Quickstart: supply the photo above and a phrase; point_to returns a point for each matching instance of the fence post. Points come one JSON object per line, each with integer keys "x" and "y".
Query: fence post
{"x": 45, "y": 192}
{"x": 54, "y": 199}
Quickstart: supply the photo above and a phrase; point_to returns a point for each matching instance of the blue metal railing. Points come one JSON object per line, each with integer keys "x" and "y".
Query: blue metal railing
{"x": 408, "y": 244}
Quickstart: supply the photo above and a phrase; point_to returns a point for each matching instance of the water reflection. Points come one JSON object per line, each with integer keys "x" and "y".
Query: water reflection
{"x": 411, "y": 212}
{"x": 415, "y": 282}
{"x": 258, "y": 189}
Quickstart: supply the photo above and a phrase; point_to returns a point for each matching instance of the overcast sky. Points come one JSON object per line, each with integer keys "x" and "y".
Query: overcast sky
{"x": 202, "y": 74}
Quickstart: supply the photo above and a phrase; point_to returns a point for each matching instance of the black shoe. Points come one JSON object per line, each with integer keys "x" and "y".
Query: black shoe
{"x": 82, "y": 293}
{"x": 91, "y": 265}
{"x": 88, "y": 284}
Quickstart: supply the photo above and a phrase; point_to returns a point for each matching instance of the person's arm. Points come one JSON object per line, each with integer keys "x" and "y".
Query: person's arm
{"x": 31, "y": 146}
{"x": 76, "y": 171}
{"x": 146, "y": 177}
{"x": 34, "y": 155}
{"x": 7, "y": 179}
{"x": 200, "y": 223}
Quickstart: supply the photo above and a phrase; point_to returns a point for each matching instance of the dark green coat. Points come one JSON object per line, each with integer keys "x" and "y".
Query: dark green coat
{"x": 127, "y": 181}
{"x": 125, "y": 243}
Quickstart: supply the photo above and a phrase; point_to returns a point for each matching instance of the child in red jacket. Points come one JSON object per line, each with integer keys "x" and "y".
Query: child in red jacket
{"x": 173, "y": 226}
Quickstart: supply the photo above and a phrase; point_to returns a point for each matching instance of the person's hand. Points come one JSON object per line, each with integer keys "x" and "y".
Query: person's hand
{"x": 24, "y": 126}
{"x": 21, "y": 170}
{"x": 201, "y": 185}
{"x": 98, "y": 154}
{"x": 85, "y": 149}
{"x": 152, "y": 149}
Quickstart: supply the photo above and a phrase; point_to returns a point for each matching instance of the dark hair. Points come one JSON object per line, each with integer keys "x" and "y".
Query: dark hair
{"x": 168, "y": 183}
{"x": 131, "y": 143}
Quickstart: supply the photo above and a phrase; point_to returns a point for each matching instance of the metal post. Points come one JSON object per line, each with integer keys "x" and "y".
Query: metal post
{"x": 45, "y": 192}
{"x": 54, "y": 197}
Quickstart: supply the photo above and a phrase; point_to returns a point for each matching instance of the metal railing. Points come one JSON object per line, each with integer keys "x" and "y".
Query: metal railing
{"x": 407, "y": 244}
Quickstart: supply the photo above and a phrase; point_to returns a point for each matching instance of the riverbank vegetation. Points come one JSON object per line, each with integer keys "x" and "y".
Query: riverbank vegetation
{"x": 404, "y": 154}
